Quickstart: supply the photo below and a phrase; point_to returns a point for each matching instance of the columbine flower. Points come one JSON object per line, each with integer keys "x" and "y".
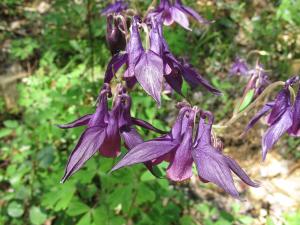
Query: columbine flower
{"x": 258, "y": 81}
{"x": 115, "y": 38}
{"x": 150, "y": 67}
{"x": 181, "y": 150}
{"x": 116, "y": 7}
{"x": 104, "y": 131}
{"x": 239, "y": 67}
{"x": 283, "y": 117}
{"x": 168, "y": 13}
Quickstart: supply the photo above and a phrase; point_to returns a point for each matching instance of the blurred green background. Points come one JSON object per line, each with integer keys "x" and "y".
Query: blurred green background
{"x": 56, "y": 50}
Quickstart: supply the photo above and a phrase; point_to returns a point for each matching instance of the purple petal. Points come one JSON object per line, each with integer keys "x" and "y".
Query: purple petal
{"x": 263, "y": 111}
{"x": 112, "y": 143}
{"x": 239, "y": 67}
{"x": 155, "y": 38}
{"x": 275, "y": 131}
{"x": 295, "y": 129}
{"x": 195, "y": 15}
{"x": 149, "y": 73}
{"x": 180, "y": 167}
{"x": 131, "y": 138}
{"x": 87, "y": 146}
{"x": 282, "y": 102}
{"x": 193, "y": 78}
{"x": 176, "y": 131}
{"x": 179, "y": 17}
{"x": 118, "y": 6}
{"x": 82, "y": 121}
{"x": 99, "y": 117}
{"x": 212, "y": 166}
{"x": 116, "y": 62}
{"x": 240, "y": 172}
{"x": 134, "y": 47}
{"x": 145, "y": 152}
{"x": 174, "y": 79}
{"x": 146, "y": 125}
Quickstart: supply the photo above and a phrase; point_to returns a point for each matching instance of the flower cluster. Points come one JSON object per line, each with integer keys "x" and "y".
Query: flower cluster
{"x": 188, "y": 143}
{"x": 104, "y": 131}
{"x": 283, "y": 116}
{"x": 191, "y": 140}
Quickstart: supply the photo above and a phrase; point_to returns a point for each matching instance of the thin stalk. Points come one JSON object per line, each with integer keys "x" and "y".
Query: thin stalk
{"x": 237, "y": 116}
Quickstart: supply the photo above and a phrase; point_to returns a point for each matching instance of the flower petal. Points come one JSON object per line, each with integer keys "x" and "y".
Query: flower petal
{"x": 149, "y": 73}
{"x": 193, "y": 78}
{"x": 295, "y": 129}
{"x": 116, "y": 62}
{"x": 211, "y": 166}
{"x": 195, "y": 15}
{"x": 263, "y": 111}
{"x": 282, "y": 102}
{"x": 87, "y": 146}
{"x": 275, "y": 131}
{"x": 180, "y": 167}
{"x": 112, "y": 144}
{"x": 146, "y": 151}
{"x": 134, "y": 47}
{"x": 146, "y": 125}
{"x": 131, "y": 138}
{"x": 82, "y": 121}
{"x": 240, "y": 172}
{"x": 179, "y": 17}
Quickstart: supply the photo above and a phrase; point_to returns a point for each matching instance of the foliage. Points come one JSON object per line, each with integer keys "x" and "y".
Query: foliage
{"x": 66, "y": 46}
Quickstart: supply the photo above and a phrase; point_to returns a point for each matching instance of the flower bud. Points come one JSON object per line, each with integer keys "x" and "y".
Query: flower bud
{"x": 114, "y": 36}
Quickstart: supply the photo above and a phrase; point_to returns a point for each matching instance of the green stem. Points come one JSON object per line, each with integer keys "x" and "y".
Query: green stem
{"x": 237, "y": 116}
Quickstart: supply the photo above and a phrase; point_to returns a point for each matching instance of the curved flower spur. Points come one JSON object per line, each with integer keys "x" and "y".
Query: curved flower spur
{"x": 104, "y": 130}
{"x": 181, "y": 150}
{"x": 284, "y": 116}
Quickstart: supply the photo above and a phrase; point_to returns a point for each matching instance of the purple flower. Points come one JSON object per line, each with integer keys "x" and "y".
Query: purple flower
{"x": 181, "y": 150}
{"x": 104, "y": 130}
{"x": 176, "y": 12}
{"x": 116, "y": 7}
{"x": 283, "y": 117}
{"x": 258, "y": 81}
{"x": 239, "y": 67}
{"x": 150, "y": 67}
{"x": 114, "y": 37}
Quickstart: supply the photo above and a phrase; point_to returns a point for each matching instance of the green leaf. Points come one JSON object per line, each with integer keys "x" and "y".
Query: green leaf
{"x": 100, "y": 216}
{"x": 147, "y": 176}
{"x": 5, "y": 132}
{"x": 85, "y": 220}
{"x": 10, "y": 124}
{"x": 145, "y": 194}
{"x": 247, "y": 100}
{"x": 15, "y": 209}
{"x": 76, "y": 208}
{"x": 36, "y": 216}
{"x": 186, "y": 220}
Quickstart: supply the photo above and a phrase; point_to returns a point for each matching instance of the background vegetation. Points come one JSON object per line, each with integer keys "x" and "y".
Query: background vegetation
{"x": 60, "y": 47}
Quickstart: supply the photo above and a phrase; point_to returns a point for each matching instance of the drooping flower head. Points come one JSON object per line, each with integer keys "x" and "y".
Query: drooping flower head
{"x": 181, "y": 148}
{"x": 283, "y": 116}
{"x": 169, "y": 13}
{"x": 239, "y": 67}
{"x": 117, "y": 7}
{"x": 115, "y": 36}
{"x": 151, "y": 65}
{"x": 104, "y": 131}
